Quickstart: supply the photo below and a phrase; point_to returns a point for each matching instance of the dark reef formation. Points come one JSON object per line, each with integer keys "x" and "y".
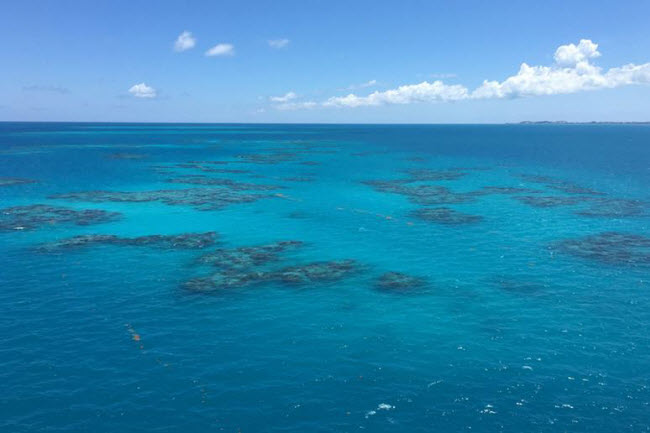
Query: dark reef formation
{"x": 182, "y": 241}
{"x": 132, "y": 156}
{"x": 559, "y": 184}
{"x": 613, "y": 248}
{"x": 248, "y": 257}
{"x": 315, "y": 272}
{"x": 298, "y": 179}
{"x": 590, "y": 206}
{"x": 421, "y": 194}
{"x": 40, "y": 215}
{"x": 227, "y": 183}
{"x": 399, "y": 282}
{"x": 8, "y": 181}
{"x": 613, "y": 208}
{"x": 549, "y": 200}
{"x": 269, "y": 158}
{"x": 251, "y": 265}
{"x": 425, "y": 174}
{"x": 504, "y": 190}
{"x": 204, "y": 166}
{"x": 444, "y": 215}
{"x": 199, "y": 198}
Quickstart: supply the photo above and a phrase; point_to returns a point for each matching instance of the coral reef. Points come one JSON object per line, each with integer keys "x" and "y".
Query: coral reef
{"x": 8, "y": 181}
{"x": 199, "y": 198}
{"x": 128, "y": 156}
{"x": 40, "y": 215}
{"x": 421, "y": 194}
{"x": 614, "y": 248}
{"x": 181, "y": 241}
{"x": 248, "y": 257}
{"x": 444, "y": 215}
{"x": 227, "y": 183}
{"x": 399, "y": 282}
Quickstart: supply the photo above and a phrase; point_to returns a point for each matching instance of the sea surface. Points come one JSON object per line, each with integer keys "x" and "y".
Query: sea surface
{"x": 324, "y": 278}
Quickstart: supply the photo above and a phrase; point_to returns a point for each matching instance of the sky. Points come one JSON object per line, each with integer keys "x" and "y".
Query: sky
{"x": 324, "y": 61}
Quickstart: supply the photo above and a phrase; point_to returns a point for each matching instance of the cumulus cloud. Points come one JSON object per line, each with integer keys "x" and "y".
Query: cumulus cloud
{"x": 142, "y": 91}
{"x": 185, "y": 41}
{"x": 436, "y": 91}
{"x": 572, "y": 71}
{"x": 278, "y": 43}
{"x": 570, "y": 55}
{"x": 288, "y": 106}
{"x": 221, "y": 50}
{"x": 284, "y": 98}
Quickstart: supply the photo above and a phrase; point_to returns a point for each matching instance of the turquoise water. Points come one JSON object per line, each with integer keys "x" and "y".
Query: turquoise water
{"x": 518, "y": 309}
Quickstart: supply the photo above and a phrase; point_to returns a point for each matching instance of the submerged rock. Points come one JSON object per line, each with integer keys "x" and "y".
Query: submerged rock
{"x": 444, "y": 215}
{"x": 227, "y": 183}
{"x": 269, "y": 158}
{"x": 182, "y": 241}
{"x": 203, "y": 166}
{"x": 421, "y": 194}
{"x": 549, "y": 201}
{"x": 614, "y": 248}
{"x": 559, "y": 184}
{"x": 228, "y": 279}
{"x": 248, "y": 257}
{"x": 425, "y": 174}
{"x": 399, "y": 282}
{"x": 315, "y": 272}
{"x": 128, "y": 156}
{"x": 199, "y": 198}
{"x": 614, "y": 208}
{"x": 298, "y": 179}
{"x": 506, "y": 190}
{"x": 589, "y": 206}
{"x": 8, "y": 181}
{"x": 39, "y": 215}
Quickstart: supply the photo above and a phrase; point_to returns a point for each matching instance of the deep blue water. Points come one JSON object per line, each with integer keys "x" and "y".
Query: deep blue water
{"x": 519, "y": 309}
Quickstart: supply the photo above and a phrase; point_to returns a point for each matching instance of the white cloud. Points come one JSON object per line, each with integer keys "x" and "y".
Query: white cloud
{"x": 569, "y": 55}
{"x": 142, "y": 91}
{"x": 288, "y": 106}
{"x": 572, "y": 72}
{"x": 221, "y": 50}
{"x": 278, "y": 43}
{"x": 184, "y": 42}
{"x": 436, "y": 91}
{"x": 284, "y": 98}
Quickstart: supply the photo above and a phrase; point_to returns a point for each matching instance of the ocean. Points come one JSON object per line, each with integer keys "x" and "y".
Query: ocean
{"x": 324, "y": 278}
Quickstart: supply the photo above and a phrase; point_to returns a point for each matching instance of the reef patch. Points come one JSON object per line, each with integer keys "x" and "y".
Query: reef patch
{"x": 227, "y": 183}
{"x": 41, "y": 215}
{"x": 182, "y": 241}
{"x": 248, "y": 257}
{"x": 204, "y": 199}
{"x": 445, "y": 215}
{"x": 399, "y": 282}
{"x": 615, "y": 248}
{"x": 9, "y": 181}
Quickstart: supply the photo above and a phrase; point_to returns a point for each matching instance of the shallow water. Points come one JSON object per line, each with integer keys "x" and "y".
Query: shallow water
{"x": 525, "y": 316}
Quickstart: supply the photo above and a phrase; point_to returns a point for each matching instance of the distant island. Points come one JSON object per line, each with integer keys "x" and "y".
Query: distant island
{"x": 564, "y": 122}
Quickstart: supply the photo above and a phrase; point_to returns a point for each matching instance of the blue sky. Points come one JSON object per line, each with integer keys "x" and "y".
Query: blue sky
{"x": 424, "y": 61}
